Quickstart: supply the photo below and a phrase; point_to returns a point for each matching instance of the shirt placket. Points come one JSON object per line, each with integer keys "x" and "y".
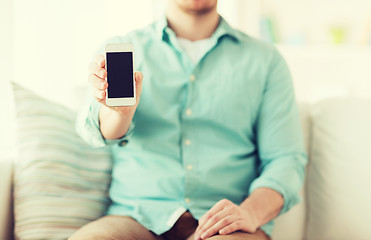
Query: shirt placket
{"x": 188, "y": 141}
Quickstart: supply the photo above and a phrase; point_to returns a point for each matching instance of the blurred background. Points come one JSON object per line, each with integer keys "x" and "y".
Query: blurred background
{"x": 46, "y": 45}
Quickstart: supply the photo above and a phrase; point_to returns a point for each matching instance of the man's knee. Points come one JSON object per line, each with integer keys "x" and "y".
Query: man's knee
{"x": 92, "y": 235}
{"x": 102, "y": 235}
{"x": 258, "y": 235}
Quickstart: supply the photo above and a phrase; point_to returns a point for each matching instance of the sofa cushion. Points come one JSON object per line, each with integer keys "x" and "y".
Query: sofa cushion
{"x": 60, "y": 183}
{"x": 5, "y": 197}
{"x": 339, "y": 175}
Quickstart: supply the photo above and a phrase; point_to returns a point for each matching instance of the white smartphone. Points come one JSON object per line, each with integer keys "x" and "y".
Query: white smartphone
{"x": 120, "y": 75}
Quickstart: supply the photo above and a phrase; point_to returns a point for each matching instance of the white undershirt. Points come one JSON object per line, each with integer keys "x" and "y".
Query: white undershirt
{"x": 194, "y": 49}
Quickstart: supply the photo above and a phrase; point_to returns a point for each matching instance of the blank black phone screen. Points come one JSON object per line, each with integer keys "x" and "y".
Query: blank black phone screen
{"x": 120, "y": 74}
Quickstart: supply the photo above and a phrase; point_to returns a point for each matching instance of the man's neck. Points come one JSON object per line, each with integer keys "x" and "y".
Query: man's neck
{"x": 192, "y": 26}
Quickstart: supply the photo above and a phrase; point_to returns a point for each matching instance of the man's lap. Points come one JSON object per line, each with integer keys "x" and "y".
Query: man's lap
{"x": 258, "y": 235}
{"x": 114, "y": 227}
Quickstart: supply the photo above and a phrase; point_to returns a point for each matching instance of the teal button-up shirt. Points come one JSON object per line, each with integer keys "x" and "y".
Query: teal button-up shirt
{"x": 203, "y": 132}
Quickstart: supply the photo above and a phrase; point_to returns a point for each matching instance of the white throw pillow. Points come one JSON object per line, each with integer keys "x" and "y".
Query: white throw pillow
{"x": 60, "y": 183}
{"x": 339, "y": 177}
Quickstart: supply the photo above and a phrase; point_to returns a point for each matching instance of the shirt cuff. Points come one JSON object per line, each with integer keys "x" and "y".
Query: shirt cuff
{"x": 88, "y": 127}
{"x": 268, "y": 228}
{"x": 123, "y": 140}
{"x": 290, "y": 200}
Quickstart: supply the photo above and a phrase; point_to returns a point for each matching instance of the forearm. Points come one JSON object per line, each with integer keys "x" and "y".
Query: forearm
{"x": 264, "y": 204}
{"x": 113, "y": 124}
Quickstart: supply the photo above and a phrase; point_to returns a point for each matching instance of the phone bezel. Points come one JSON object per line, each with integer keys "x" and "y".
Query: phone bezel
{"x": 127, "y": 101}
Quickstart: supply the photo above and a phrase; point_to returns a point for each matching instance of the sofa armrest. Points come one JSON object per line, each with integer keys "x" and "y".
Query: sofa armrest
{"x": 6, "y": 212}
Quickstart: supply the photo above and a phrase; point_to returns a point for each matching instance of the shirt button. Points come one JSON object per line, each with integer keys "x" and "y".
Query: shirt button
{"x": 190, "y": 167}
{"x": 192, "y": 78}
{"x": 188, "y": 112}
{"x": 187, "y": 142}
{"x": 187, "y": 200}
{"x": 123, "y": 143}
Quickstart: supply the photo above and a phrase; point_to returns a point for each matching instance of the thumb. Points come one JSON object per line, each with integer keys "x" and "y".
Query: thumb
{"x": 138, "y": 83}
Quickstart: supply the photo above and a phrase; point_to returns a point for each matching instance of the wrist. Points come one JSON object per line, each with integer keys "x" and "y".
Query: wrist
{"x": 251, "y": 208}
{"x": 264, "y": 204}
{"x": 113, "y": 112}
{"x": 114, "y": 124}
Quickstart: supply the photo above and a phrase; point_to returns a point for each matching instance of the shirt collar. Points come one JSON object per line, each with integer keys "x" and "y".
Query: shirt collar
{"x": 223, "y": 29}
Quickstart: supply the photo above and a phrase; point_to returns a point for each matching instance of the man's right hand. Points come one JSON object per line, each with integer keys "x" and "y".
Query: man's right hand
{"x": 114, "y": 121}
{"x": 97, "y": 78}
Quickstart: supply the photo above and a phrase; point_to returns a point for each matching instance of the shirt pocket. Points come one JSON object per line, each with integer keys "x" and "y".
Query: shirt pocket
{"x": 230, "y": 99}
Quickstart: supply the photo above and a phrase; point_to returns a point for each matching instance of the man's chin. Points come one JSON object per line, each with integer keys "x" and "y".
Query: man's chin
{"x": 197, "y": 7}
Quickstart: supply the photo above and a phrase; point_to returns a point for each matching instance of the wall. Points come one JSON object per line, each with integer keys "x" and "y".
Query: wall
{"x": 321, "y": 72}
{"x": 54, "y": 41}
{"x": 314, "y": 18}
{"x": 6, "y": 43}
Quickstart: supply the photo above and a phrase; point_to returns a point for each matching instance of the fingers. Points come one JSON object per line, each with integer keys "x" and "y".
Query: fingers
{"x": 232, "y": 227}
{"x": 99, "y": 94}
{"x": 215, "y": 223}
{"x": 98, "y": 82}
{"x": 99, "y": 87}
{"x": 97, "y": 67}
{"x": 216, "y": 228}
{"x": 211, "y": 221}
{"x": 97, "y": 77}
{"x": 216, "y": 208}
{"x": 100, "y": 61}
{"x": 102, "y": 101}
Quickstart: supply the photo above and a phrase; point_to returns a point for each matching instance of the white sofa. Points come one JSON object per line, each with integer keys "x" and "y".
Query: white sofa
{"x": 6, "y": 218}
{"x": 337, "y": 200}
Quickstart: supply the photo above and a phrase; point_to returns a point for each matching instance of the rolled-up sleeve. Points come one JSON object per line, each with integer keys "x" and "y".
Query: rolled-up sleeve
{"x": 88, "y": 127}
{"x": 279, "y": 137}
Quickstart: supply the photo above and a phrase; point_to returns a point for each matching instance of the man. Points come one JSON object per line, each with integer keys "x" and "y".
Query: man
{"x": 212, "y": 149}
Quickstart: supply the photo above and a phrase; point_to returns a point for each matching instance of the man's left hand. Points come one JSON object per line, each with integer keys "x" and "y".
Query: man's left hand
{"x": 225, "y": 217}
